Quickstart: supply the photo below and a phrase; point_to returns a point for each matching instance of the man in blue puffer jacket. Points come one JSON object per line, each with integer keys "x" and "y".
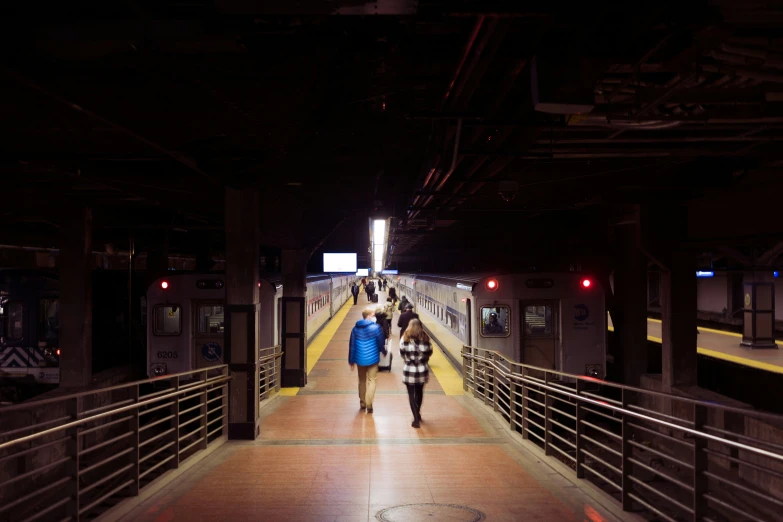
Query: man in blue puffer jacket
{"x": 367, "y": 342}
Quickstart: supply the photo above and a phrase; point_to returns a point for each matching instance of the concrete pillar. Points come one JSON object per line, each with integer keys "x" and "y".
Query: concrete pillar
{"x": 758, "y": 330}
{"x": 678, "y": 307}
{"x": 630, "y": 305}
{"x": 76, "y": 298}
{"x": 242, "y": 311}
{"x": 294, "y": 337}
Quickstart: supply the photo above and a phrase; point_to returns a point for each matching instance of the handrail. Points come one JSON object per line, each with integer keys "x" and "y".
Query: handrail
{"x": 734, "y": 409}
{"x": 61, "y": 398}
{"x": 109, "y": 450}
{"x": 605, "y": 440}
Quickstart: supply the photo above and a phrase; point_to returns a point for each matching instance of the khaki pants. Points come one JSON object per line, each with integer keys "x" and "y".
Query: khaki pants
{"x": 367, "y": 375}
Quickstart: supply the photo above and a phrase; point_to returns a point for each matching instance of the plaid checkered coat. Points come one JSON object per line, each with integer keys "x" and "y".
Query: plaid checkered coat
{"x": 415, "y": 356}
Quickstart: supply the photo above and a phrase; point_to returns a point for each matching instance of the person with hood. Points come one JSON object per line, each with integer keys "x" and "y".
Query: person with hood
{"x": 355, "y": 292}
{"x": 403, "y": 303}
{"x": 364, "y": 349}
{"x": 389, "y": 309}
{"x": 406, "y": 318}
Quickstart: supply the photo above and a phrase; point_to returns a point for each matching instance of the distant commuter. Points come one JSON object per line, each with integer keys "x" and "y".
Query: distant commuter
{"x": 355, "y": 292}
{"x": 393, "y": 295}
{"x": 389, "y": 308}
{"x": 406, "y": 318}
{"x": 382, "y": 320}
{"x": 403, "y": 303}
{"x": 370, "y": 290}
{"x": 366, "y": 345}
{"x": 364, "y": 283}
{"x": 493, "y": 327}
{"x": 415, "y": 350}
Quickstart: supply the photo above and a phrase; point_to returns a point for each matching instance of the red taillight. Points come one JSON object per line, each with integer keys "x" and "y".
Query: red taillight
{"x": 464, "y": 300}
{"x": 492, "y": 285}
{"x": 58, "y": 352}
{"x": 164, "y": 284}
{"x": 586, "y": 283}
{"x": 259, "y": 284}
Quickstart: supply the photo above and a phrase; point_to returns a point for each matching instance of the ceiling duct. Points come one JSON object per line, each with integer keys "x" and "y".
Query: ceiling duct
{"x": 562, "y": 81}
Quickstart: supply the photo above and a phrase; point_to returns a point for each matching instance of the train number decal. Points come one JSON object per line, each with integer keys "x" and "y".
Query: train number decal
{"x": 168, "y": 355}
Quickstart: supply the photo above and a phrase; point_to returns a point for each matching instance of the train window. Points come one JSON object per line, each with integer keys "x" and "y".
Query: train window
{"x": 211, "y": 319}
{"x": 12, "y": 315}
{"x": 49, "y": 320}
{"x": 538, "y": 320}
{"x": 167, "y": 319}
{"x": 495, "y": 321}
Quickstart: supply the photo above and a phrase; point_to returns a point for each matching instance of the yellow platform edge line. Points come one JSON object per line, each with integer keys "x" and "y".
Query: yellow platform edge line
{"x": 725, "y": 356}
{"x": 447, "y": 376}
{"x": 703, "y": 329}
{"x": 316, "y": 348}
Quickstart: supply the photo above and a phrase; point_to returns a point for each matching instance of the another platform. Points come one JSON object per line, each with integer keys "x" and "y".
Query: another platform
{"x": 320, "y": 458}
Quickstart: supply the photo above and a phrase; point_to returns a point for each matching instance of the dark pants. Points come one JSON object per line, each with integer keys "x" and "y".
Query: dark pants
{"x": 415, "y": 397}
{"x": 355, "y": 298}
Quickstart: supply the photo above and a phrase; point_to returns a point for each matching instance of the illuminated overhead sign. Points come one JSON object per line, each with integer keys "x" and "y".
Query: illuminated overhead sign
{"x": 705, "y": 273}
{"x": 390, "y": 272}
{"x": 464, "y": 287}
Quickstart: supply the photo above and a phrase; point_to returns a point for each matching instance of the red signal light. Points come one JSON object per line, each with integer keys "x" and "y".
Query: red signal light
{"x": 58, "y": 352}
{"x": 164, "y": 284}
{"x": 586, "y": 283}
{"x": 492, "y": 285}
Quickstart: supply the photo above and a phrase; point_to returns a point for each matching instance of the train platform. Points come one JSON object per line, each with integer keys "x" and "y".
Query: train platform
{"x": 320, "y": 458}
{"x": 723, "y": 345}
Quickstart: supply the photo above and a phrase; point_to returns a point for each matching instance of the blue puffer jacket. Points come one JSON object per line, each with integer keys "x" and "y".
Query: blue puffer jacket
{"x": 367, "y": 342}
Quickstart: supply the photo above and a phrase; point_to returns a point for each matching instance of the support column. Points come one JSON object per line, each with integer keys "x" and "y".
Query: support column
{"x": 758, "y": 330}
{"x": 294, "y": 338}
{"x": 76, "y": 299}
{"x": 678, "y": 307}
{"x": 242, "y": 311}
{"x": 630, "y": 305}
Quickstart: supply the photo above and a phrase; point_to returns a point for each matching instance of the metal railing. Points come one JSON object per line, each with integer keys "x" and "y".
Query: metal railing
{"x": 673, "y": 457}
{"x": 269, "y": 371}
{"x": 72, "y": 457}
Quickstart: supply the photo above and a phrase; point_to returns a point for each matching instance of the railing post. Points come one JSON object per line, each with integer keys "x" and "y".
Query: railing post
{"x": 512, "y": 409}
{"x": 580, "y": 459}
{"x": 204, "y": 408}
{"x": 135, "y": 425}
{"x": 473, "y": 364}
{"x": 73, "y": 447}
{"x": 700, "y": 458}
{"x": 547, "y": 416}
{"x": 224, "y": 404}
{"x": 494, "y": 365}
{"x": 175, "y": 461}
{"x": 464, "y": 366}
{"x": 524, "y": 413}
{"x": 484, "y": 379}
{"x": 626, "y": 452}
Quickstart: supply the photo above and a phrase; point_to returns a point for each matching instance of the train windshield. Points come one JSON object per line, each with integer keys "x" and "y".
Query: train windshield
{"x": 495, "y": 321}
{"x": 49, "y": 320}
{"x": 11, "y": 320}
{"x": 210, "y": 319}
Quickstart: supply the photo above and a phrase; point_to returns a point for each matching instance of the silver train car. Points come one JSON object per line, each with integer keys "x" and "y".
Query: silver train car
{"x": 549, "y": 320}
{"x": 186, "y": 318}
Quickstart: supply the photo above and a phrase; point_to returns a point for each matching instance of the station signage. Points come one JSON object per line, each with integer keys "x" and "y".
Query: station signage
{"x": 464, "y": 287}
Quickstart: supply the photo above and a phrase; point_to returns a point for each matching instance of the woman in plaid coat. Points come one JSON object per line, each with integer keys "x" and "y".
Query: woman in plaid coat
{"x": 415, "y": 350}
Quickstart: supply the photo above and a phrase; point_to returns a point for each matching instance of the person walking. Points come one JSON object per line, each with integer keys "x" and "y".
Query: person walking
{"x": 364, "y": 349}
{"x": 355, "y": 292}
{"x": 405, "y": 318}
{"x": 415, "y": 350}
{"x": 403, "y": 303}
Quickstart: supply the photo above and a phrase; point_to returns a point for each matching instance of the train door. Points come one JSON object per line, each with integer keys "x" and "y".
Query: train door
{"x": 208, "y": 329}
{"x": 539, "y": 334}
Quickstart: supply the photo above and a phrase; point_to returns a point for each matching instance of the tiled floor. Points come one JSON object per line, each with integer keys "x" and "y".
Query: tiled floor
{"x": 320, "y": 458}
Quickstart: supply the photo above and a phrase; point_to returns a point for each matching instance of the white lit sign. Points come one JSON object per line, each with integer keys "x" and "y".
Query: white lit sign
{"x": 464, "y": 287}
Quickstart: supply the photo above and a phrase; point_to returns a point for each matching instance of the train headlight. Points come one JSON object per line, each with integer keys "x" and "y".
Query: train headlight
{"x": 49, "y": 352}
{"x": 594, "y": 370}
{"x": 158, "y": 369}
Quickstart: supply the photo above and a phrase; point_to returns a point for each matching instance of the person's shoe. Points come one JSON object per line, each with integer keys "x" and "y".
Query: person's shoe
{"x": 369, "y": 410}
{"x": 415, "y": 424}
{"x": 362, "y": 407}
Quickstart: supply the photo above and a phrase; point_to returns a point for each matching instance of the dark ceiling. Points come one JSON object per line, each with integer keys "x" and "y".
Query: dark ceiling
{"x": 423, "y": 111}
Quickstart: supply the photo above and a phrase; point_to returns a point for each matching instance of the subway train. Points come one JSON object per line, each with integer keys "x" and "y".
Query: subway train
{"x": 548, "y": 320}
{"x": 186, "y": 317}
{"x": 30, "y": 324}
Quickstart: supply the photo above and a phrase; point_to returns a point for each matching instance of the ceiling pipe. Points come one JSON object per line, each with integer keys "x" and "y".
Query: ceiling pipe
{"x": 604, "y": 121}
{"x": 449, "y": 172}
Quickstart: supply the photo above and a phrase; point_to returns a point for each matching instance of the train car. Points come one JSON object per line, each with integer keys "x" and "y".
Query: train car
{"x": 186, "y": 317}
{"x": 29, "y": 327}
{"x": 548, "y": 320}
